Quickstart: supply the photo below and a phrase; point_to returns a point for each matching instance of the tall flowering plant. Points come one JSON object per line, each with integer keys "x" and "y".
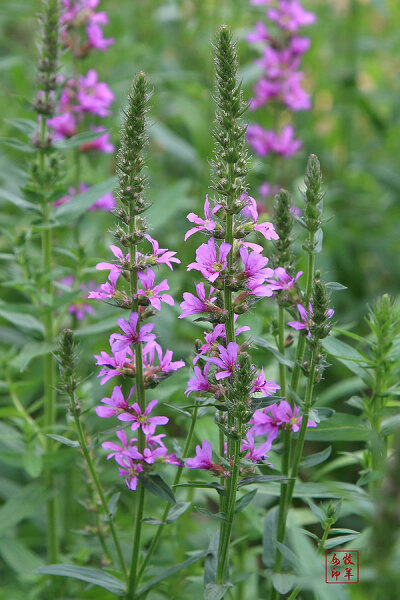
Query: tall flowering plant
{"x": 134, "y": 351}
{"x": 281, "y": 80}
{"x": 236, "y": 276}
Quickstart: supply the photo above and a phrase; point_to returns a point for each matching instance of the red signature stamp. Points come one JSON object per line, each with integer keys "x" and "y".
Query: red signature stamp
{"x": 341, "y": 566}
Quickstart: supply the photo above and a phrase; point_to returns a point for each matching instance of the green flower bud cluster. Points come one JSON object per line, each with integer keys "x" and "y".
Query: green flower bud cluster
{"x": 230, "y": 162}
{"x": 283, "y": 222}
{"x": 130, "y": 165}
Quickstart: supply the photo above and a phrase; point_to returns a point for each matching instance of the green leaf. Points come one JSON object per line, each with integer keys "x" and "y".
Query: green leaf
{"x": 347, "y": 355}
{"x": 317, "y": 511}
{"x": 23, "y": 504}
{"x": 261, "y": 479}
{"x": 168, "y": 572}
{"x": 32, "y": 462}
{"x": 19, "y": 202}
{"x": 112, "y": 505}
{"x": 390, "y": 425}
{"x": 157, "y": 486}
{"x": 174, "y": 145}
{"x": 339, "y": 540}
{"x": 334, "y": 286}
{"x": 245, "y": 500}
{"x": 64, "y": 440}
{"x": 269, "y": 539}
{"x": 153, "y": 521}
{"x": 19, "y": 558}
{"x": 29, "y": 352}
{"x": 72, "y": 210}
{"x": 201, "y": 484}
{"x": 27, "y": 126}
{"x": 93, "y": 576}
{"x": 17, "y": 144}
{"x": 283, "y": 582}
{"x": 78, "y": 140}
{"x": 218, "y": 516}
{"x": 168, "y": 203}
{"x": 21, "y": 320}
{"x": 283, "y": 360}
{"x": 316, "y": 459}
{"x": 340, "y": 427}
{"x": 215, "y": 591}
{"x": 177, "y": 510}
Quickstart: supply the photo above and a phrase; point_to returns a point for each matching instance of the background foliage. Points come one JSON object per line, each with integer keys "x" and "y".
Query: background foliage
{"x": 353, "y": 74}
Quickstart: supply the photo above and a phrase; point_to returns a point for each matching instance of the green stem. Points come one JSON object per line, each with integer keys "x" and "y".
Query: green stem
{"x": 281, "y": 340}
{"x": 156, "y": 538}
{"x": 284, "y": 508}
{"x": 97, "y": 484}
{"x": 324, "y": 538}
{"x": 226, "y": 526}
{"x": 295, "y": 593}
{"x": 24, "y": 414}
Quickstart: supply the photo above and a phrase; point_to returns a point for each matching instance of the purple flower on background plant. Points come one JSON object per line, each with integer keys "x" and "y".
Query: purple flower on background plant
{"x": 260, "y": 384}
{"x": 193, "y": 305}
{"x": 227, "y": 360}
{"x": 284, "y": 281}
{"x": 203, "y": 458}
{"x": 132, "y": 336}
{"x": 93, "y": 96}
{"x": 290, "y": 15}
{"x": 116, "y": 448}
{"x": 106, "y": 202}
{"x": 64, "y": 125}
{"x": 208, "y": 262}
{"x": 162, "y": 255}
{"x": 284, "y": 143}
{"x": 256, "y": 454}
{"x": 203, "y": 224}
{"x": 260, "y": 33}
{"x": 151, "y": 291}
{"x": 142, "y": 419}
{"x": 199, "y": 383}
{"x": 114, "y": 405}
{"x": 100, "y": 144}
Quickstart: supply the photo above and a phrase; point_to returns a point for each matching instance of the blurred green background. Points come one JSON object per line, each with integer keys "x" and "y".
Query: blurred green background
{"x": 352, "y": 72}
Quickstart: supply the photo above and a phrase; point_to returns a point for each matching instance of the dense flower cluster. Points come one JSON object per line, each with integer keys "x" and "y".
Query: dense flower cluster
{"x": 281, "y": 80}
{"x": 83, "y": 97}
{"x": 217, "y": 364}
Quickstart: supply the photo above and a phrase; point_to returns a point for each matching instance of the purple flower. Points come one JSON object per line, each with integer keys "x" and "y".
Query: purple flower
{"x": 106, "y": 202}
{"x": 162, "y": 255}
{"x": 227, "y": 360}
{"x": 128, "y": 469}
{"x": 166, "y": 364}
{"x": 193, "y": 305}
{"x": 93, "y": 96}
{"x": 115, "y": 448}
{"x": 250, "y": 210}
{"x": 139, "y": 419}
{"x": 153, "y": 292}
{"x": 115, "y": 270}
{"x": 306, "y": 317}
{"x": 265, "y": 422}
{"x": 207, "y": 261}
{"x": 256, "y": 454}
{"x": 285, "y": 414}
{"x": 115, "y": 405}
{"x": 131, "y": 335}
{"x": 106, "y": 290}
{"x": 255, "y": 265}
{"x": 257, "y": 288}
{"x": 100, "y": 144}
{"x": 113, "y": 365}
{"x": 284, "y": 281}
{"x": 64, "y": 125}
{"x": 261, "y": 385}
{"x": 260, "y": 34}
{"x": 211, "y": 339}
{"x": 208, "y": 224}
{"x": 290, "y": 15}
{"x": 199, "y": 383}
{"x": 203, "y": 458}
{"x": 96, "y": 37}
